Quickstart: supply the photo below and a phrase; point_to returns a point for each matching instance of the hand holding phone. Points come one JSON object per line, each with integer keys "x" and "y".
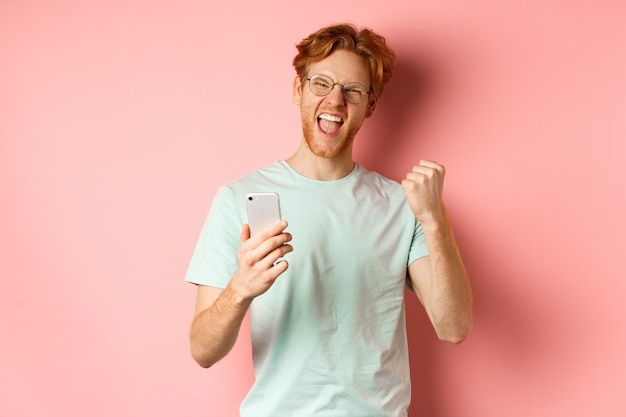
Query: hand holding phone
{"x": 260, "y": 262}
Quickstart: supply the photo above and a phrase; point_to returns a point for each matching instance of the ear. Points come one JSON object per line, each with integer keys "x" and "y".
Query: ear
{"x": 297, "y": 90}
{"x": 371, "y": 107}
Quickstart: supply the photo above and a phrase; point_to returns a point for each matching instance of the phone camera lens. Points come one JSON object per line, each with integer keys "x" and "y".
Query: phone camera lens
{"x": 250, "y": 198}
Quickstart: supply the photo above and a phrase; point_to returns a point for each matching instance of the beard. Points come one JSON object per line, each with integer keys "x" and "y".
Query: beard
{"x": 331, "y": 147}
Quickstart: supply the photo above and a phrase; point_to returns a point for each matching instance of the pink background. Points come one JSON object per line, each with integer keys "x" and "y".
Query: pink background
{"x": 119, "y": 119}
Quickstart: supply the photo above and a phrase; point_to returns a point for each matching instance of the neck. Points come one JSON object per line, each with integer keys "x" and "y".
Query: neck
{"x": 307, "y": 164}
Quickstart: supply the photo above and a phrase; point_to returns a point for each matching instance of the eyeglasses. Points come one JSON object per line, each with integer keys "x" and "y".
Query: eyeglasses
{"x": 322, "y": 85}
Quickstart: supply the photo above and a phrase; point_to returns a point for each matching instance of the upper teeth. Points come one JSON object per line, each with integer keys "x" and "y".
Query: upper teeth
{"x": 331, "y": 118}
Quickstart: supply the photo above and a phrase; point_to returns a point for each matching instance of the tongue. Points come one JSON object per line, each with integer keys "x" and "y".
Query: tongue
{"x": 329, "y": 127}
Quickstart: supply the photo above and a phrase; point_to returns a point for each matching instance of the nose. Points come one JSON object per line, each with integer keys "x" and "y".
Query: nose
{"x": 336, "y": 95}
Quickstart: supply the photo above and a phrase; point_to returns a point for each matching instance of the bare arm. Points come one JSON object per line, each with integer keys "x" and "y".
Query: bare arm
{"x": 440, "y": 282}
{"x": 219, "y": 313}
{"x": 440, "y": 279}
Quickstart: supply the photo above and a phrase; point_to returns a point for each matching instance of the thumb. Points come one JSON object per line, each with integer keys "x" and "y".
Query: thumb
{"x": 245, "y": 232}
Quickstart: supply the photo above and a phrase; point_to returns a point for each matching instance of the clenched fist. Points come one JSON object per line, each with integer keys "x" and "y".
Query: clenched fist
{"x": 424, "y": 188}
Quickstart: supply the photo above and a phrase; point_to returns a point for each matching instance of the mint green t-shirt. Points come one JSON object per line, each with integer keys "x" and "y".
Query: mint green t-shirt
{"x": 329, "y": 337}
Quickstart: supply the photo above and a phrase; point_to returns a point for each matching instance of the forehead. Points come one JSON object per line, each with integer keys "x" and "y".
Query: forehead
{"x": 343, "y": 67}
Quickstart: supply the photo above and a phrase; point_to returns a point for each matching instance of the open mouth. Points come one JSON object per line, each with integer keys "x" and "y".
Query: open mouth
{"x": 329, "y": 124}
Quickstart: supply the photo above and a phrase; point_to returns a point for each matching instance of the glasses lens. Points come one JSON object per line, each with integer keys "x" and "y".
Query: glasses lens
{"x": 320, "y": 85}
{"x": 354, "y": 92}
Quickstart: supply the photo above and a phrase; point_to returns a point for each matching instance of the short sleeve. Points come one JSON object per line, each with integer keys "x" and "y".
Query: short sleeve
{"x": 418, "y": 249}
{"x": 214, "y": 261}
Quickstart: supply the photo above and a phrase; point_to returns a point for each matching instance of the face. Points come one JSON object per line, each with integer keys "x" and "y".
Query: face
{"x": 330, "y": 123}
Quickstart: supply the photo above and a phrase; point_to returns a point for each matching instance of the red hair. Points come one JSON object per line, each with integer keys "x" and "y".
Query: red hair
{"x": 363, "y": 42}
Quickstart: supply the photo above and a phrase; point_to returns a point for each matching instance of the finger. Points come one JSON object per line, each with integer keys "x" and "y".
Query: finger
{"x": 273, "y": 230}
{"x": 253, "y": 242}
{"x": 268, "y": 262}
{"x": 279, "y": 226}
{"x": 270, "y": 250}
{"x": 245, "y": 232}
{"x": 264, "y": 256}
{"x": 426, "y": 169}
{"x": 280, "y": 267}
{"x": 421, "y": 174}
{"x": 275, "y": 256}
{"x": 410, "y": 185}
{"x": 433, "y": 165}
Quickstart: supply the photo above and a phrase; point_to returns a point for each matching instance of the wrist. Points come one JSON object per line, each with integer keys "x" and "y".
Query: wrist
{"x": 237, "y": 296}
{"x": 435, "y": 222}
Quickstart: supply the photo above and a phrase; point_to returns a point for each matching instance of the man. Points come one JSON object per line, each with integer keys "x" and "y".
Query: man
{"x": 326, "y": 294}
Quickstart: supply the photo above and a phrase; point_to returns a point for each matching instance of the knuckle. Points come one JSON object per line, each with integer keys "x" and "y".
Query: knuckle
{"x": 248, "y": 259}
{"x": 420, "y": 179}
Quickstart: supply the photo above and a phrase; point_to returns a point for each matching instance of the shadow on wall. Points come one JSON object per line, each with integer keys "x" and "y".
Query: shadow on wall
{"x": 385, "y": 137}
{"x": 388, "y": 143}
{"x": 422, "y": 351}
{"x": 503, "y": 334}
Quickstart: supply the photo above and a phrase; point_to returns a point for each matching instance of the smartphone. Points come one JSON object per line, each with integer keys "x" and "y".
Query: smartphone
{"x": 263, "y": 210}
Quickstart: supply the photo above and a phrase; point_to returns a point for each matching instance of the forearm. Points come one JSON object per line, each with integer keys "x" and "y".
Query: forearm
{"x": 214, "y": 330}
{"x": 450, "y": 294}
{"x": 219, "y": 313}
